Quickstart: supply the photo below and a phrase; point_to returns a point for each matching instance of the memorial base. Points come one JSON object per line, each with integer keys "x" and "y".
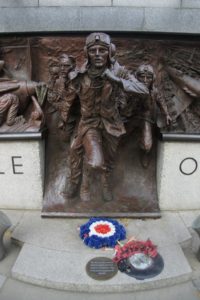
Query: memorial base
{"x": 178, "y": 173}
{"x": 21, "y": 170}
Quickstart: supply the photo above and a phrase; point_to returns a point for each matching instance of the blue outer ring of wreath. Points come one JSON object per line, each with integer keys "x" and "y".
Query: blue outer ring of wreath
{"x": 180, "y": 166}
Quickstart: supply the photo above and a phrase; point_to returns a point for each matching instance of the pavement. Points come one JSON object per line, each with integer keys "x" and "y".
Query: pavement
{"x": 46, "y": 258}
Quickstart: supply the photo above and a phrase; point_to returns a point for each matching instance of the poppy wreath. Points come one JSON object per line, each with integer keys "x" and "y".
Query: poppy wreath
{"x": 102, "y": 232}
{"x": 133, "y": 247}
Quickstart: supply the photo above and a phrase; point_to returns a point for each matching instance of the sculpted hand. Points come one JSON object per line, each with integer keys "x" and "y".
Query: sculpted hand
{"x": 168, "y": 119}
{"x": 110, "y": 76}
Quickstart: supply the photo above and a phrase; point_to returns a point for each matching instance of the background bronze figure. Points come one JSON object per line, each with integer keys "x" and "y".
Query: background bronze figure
{"x": 155, "y": 100}
{"x": 20, "y": 104}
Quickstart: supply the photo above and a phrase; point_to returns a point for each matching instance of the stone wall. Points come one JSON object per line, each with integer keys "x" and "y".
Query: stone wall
{"x": 170, "y": 16}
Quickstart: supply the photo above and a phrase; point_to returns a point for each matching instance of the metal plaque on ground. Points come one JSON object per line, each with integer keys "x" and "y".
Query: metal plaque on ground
{"x": 101, "y": 268}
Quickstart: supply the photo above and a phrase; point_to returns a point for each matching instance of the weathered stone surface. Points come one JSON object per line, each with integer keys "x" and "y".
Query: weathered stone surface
{"x": 125, "y": 18}
{"x": 2, "y": 280}
{"x": 190, "y": 20}
{"x": 22, "y": 167}
{"x": 188, "y": 217}
{"x": 18, "y": 3}
{"x": 55, "y": 245}
{"x": 71, "y": 19}
{"x": 18, "y": 290}
{"x": 172, "y": 20}
{"x": 75, "y": 3}
{"x": 51, "y": 269}
{"x": 115, "y": 18}
{"x": 177, "y": 191}
{"x": 148, "y": 3}
{"x": 39, "y": 19}
{"x": 190, "y": 4}
{"x": 168, "y": 230}
{"x": 14, "y": 215}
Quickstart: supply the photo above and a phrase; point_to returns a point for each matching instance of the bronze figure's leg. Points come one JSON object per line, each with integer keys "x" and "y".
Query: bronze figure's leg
{"x": 94, "y": 160}
{"x": 76, "y": 159}
{"x": 85, "y": 183}
{"x": 9, "y": 105}
{"x": 92, "y": 143}
{"x": 110, "y": 150}
{"x": 13, "y": 109}
{"x": 146, "y": 143}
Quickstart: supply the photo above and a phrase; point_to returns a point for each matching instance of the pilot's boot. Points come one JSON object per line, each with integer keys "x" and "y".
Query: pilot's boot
{"x": 72, "y": 189}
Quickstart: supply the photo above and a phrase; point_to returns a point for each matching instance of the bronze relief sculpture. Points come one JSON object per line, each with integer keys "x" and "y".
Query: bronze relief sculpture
{"x": 99, "y": 104}
{"x": 19, "y": 107}
{"x": 105, "y": 102}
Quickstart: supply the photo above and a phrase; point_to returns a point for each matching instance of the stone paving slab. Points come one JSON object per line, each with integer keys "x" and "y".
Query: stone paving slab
{"x": 63, "y": 234}
{"x": 14, "y": 215}
{"x": 18, "y": 290}
{"x": 188, "y": 217}
{"x": 66, "y": 270}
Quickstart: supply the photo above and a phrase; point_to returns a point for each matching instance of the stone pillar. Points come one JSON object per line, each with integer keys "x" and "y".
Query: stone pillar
{"x": 21, "y": 171}
{"x": 178, "y": 173}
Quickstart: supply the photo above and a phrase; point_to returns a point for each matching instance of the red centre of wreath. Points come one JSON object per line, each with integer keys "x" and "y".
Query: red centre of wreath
{"x": 102, "y": 228}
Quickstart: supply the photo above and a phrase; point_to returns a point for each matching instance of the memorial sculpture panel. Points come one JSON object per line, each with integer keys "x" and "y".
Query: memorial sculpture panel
{"x": 105, "y": 103}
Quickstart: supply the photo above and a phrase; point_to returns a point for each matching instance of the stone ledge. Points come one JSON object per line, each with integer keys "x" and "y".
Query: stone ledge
{"x": 75, "y": 3}
{"x": 52, "y": 247}
{"x": 50, "y": 268}
{"x": 112, "y": 19}
{"x": 116, "y": 19}
{"x": 190, "y": 4}
{"x": 169, "y": 230}
{"x": 39, "y": 19}
{"x": 18, "y": 3}
{"x": 172, "y": 20}
{"x": 148, "y": 3}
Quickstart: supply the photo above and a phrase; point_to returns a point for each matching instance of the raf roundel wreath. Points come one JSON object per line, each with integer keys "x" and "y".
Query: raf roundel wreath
{"x": 102, "y": 232}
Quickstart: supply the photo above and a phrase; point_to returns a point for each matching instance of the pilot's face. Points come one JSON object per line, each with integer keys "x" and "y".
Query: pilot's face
{"x": 65, "y": 67}
{"x": 98, "y": 56}
{"x": 146, "y": 78}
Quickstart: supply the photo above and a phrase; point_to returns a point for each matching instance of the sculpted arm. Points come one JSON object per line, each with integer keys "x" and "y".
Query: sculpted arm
{"x": 68, "y": 99}
{"x": 162, "y": 105}
{"x": 129, "y": 83}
